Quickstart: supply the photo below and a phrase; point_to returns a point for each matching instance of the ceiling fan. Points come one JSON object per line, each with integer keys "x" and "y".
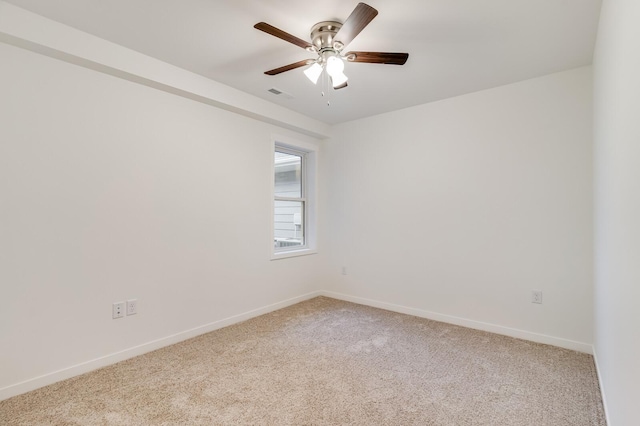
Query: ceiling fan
{"x": 328, "y": 39}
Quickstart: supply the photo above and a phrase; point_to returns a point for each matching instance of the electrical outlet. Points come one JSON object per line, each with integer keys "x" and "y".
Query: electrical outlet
{"x": 536, "y": 296}
{"x": 344, "y": 270}
{"x": 132, "y": 306}
{"x": 118, "y": 310}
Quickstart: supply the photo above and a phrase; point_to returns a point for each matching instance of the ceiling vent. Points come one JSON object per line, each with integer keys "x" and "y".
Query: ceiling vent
{"x": 280, "y": 93}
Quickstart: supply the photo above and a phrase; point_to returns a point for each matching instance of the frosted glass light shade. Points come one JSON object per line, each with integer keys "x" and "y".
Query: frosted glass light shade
{"x": 339, "y": 79}
{"x": 313, "y": 72}
{"x": 335, "y": 66}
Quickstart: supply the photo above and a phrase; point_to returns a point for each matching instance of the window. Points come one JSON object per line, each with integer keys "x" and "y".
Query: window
{"x": 293, "y": 200}
{"x": 289, "y": 199}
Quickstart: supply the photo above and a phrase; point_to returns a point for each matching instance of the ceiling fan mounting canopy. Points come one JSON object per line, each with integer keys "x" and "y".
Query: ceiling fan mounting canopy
{"x": 323, "y": 36}
{"x": 329, "y": 38}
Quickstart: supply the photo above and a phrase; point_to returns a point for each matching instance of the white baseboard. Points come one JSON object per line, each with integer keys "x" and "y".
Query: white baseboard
{"x": 604, "y": 398}
{"x": 478, "y": 325}
{"x": 85, "y": 367}
{"x": 72, "y": 371}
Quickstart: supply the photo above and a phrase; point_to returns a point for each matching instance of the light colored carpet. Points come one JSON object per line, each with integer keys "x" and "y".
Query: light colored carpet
{"x": 328, "y": 362}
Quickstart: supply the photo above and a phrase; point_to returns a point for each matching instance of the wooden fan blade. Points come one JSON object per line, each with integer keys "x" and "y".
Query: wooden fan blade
{"x": 342, "y": 86}
{"x": 359, "y": 18}
{"x": 289, "y": 67}
{"x": 378, "y": 57}
{"x": 276, "y": 32}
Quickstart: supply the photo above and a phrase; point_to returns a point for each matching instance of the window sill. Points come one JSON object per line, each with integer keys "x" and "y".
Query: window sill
{"x": 292, "y": 253}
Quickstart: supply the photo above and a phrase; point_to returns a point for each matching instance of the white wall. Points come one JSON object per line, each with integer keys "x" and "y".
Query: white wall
{"x": 461, "y": 207}
{"x": 617, "y": 152}
{"x": 113, "y": 190}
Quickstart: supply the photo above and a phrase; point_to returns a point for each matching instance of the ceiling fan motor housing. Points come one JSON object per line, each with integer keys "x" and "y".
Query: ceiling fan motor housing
{"x": 322, "y": 37}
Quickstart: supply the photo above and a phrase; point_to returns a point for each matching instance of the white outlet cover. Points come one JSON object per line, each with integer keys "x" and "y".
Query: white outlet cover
{"x": 117, "y": 310}
{"x": 132, "y": 306}
{"x": 536, "y": 296}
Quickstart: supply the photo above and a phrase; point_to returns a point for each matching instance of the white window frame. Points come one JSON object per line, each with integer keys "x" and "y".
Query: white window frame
{"x": 309, "y": 153}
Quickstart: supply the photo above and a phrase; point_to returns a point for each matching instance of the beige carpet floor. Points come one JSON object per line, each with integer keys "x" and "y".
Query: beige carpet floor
{"x": 328, "y": 362}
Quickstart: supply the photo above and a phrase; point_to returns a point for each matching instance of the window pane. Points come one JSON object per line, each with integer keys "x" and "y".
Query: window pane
{"x": 288, "y": 175}
{"x": 289, "y": 223}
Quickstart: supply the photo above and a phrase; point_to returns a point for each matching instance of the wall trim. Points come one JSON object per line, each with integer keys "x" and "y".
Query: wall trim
{"x": 94, "y": 364}
{"x": 85, "y": 367}
{"x": 478, "y": 325}
{"x": 601, "y": 383}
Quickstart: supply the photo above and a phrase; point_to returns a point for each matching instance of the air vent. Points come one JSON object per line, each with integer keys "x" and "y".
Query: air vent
{"x": 280, "y": 93}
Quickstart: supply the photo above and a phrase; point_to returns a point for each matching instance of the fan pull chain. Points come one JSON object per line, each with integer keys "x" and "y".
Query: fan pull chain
{"x": 327, "y": 82}
{"x": 324, "y": 84}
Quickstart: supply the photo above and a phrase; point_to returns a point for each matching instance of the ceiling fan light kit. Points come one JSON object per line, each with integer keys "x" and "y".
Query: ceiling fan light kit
{"x": 313, "y": 72}
{"x": 328, "y": 39}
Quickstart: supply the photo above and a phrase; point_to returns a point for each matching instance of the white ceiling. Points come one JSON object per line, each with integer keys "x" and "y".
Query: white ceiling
{"x": 455, "y": 46}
